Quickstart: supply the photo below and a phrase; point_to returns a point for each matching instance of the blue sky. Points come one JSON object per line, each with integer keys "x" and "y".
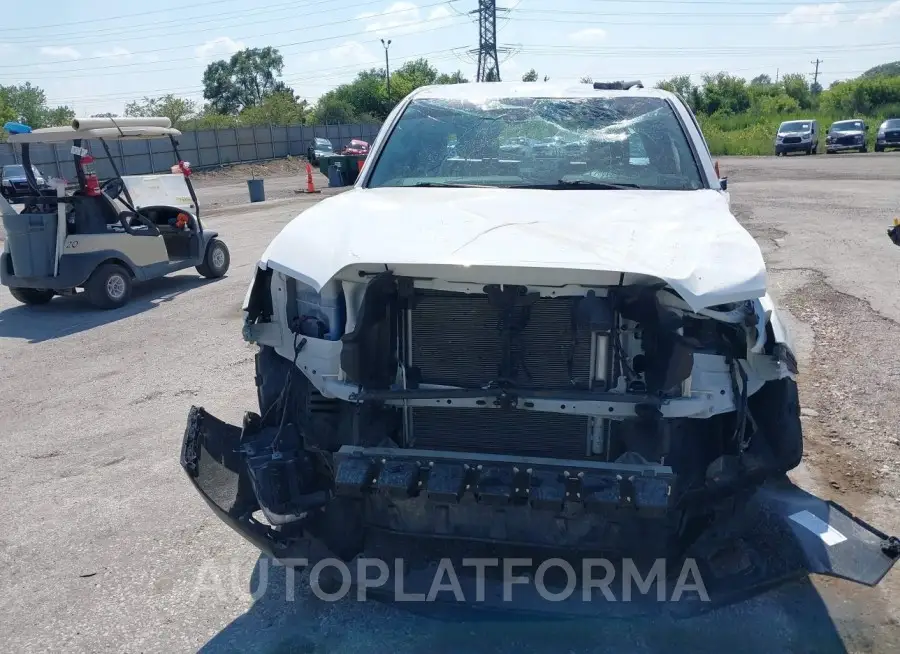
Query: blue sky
{"x": 97, "y": 55}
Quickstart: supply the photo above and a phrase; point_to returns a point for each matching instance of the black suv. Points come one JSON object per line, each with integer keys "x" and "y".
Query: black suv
{"x": 888, "y": 135}
{"x": 13, "y": 182}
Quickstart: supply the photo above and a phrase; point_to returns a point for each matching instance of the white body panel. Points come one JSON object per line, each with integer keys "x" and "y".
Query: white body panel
{"x": 688, "y": 239}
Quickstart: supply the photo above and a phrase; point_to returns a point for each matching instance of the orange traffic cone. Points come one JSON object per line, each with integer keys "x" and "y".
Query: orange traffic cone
{"x": 310, "y": 185}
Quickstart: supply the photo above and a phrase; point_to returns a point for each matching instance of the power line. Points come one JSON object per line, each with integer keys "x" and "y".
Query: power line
{"x": 311, "y": 75}
{"x": 761, "y": 51}
{"x": 93, "y": 21}
{"x": 303, "y": 29}
{"x": 240, "y": 16}
{"x": 281, "y": 45}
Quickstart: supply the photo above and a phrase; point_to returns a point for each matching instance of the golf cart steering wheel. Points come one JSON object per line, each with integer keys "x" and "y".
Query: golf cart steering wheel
{"x": 113, "y": 187}
{"x": 130, "y": 220}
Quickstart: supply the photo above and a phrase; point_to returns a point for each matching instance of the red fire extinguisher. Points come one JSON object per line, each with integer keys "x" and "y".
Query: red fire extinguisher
{"x": 91, "y": 181}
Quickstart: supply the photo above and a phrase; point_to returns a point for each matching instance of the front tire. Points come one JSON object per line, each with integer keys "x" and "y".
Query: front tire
{"x": 216, "y": 261}
{"x": 109, "y": 287}
{"x": 32, "y": 296}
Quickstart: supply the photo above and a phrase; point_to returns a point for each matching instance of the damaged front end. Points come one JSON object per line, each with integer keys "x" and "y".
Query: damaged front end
{"x": 399, "y": 413}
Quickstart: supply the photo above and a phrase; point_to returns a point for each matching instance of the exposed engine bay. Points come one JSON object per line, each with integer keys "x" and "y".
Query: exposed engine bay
{"x": 492, "y": 394}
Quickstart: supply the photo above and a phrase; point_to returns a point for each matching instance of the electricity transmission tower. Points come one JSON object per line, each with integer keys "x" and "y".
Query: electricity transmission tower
{"x": 488, "y": 62}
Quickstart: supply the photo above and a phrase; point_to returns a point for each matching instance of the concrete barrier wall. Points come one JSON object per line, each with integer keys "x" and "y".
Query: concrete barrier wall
{"x": 203, "y": 149}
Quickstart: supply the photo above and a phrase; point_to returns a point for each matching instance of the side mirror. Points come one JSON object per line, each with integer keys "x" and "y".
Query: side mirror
{"x": 723, "y": 183}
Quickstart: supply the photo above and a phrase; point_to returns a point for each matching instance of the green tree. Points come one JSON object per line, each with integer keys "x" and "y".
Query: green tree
{"x": 452, "y": 78}
{"x": 796, "y": 86}
{"x": 28, "y": 102}
{"x": 276, "y": 109}
{"x": 761, "y": 80}
{"x": 331, "y": 110}
{"x": 411, "y": 76}
{"x": 681, "y": 85}
{"x": 244, "y": 80}
{"x": 724, "y": 93}
{"x": 367, "y": 94}
{"x": 530, "y": 76}
{"x": 168, "y": 106}
{"x": 58, "y": 116}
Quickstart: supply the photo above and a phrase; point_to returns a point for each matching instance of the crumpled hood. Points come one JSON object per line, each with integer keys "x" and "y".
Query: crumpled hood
{"x": 688, "y": 239}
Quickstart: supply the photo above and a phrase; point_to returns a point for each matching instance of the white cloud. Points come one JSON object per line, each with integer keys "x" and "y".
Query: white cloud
{"x": 885, "y": 13}
{"x": 117, "y": 52}
{"x": 812, "y": 16}
{"x": 589, "y": 35}
{"x": 404, "y": 18}
{"x": 350, "y": 52}
{"x": 60, "y": 52}
{"x": 219, "y": 47}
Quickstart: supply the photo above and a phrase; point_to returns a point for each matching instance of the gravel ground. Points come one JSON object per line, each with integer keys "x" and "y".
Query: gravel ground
{"x": 107, "y": 548}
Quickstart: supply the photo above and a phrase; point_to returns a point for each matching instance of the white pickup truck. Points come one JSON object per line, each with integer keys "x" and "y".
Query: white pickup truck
{"x": 568, "y": 347}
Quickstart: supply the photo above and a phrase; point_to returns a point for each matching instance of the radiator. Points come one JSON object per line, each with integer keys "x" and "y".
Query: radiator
{"x": 454, "y": 340}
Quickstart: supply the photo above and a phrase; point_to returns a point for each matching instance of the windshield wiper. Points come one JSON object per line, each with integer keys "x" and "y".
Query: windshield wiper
{"x": 579, "y": 184}
{"x": 450, "y": 185}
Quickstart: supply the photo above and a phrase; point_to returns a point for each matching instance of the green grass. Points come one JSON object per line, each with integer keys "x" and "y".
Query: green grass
{"x": 748, "y": 134}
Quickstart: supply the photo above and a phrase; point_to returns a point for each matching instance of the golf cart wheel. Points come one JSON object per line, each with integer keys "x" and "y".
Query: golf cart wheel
{"x": 879, "y": 148}
{"x": 863, "y": 149}
{"x": 215, "y": 263}
{"x": 109, "y": 287}
{"x": 32, "y": 295}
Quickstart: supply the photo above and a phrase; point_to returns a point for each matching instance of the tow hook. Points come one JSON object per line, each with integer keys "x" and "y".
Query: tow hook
{"x": 891, "y": 547}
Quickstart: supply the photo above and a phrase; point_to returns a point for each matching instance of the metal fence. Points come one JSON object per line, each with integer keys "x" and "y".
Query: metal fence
{"x": 203, "y": 149}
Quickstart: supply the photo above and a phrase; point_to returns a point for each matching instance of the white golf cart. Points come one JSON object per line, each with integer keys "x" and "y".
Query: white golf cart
{"x": 102, "y": 237}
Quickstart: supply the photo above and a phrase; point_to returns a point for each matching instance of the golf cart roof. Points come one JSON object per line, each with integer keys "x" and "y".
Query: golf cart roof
{"x": 111, "y": 129}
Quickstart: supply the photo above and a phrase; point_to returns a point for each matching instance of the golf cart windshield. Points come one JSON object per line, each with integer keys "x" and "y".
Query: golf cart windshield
{"x": 600, "y": 142}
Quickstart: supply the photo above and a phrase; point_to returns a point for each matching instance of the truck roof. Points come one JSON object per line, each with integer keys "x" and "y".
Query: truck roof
{"x": 475, "y": 90}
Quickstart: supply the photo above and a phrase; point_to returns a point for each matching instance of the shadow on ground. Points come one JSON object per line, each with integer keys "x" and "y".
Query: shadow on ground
{"x": 64, "y": 316}
{"x": 289, "y": 619}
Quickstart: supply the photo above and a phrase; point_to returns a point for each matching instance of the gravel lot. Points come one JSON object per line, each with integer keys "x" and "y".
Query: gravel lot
{"x": 107, "y": 548}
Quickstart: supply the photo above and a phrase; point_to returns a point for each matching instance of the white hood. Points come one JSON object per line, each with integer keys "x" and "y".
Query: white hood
{"x": 689, "y": 239}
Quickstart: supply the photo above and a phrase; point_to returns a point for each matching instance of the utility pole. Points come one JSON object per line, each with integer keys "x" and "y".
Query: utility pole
{"x": 488, "y": 63}
{"x": 816, "y": 74}
{"x": 387, "y": 69}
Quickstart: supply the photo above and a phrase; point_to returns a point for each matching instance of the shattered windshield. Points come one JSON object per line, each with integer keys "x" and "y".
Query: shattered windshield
{"x": 608, "y": 142}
